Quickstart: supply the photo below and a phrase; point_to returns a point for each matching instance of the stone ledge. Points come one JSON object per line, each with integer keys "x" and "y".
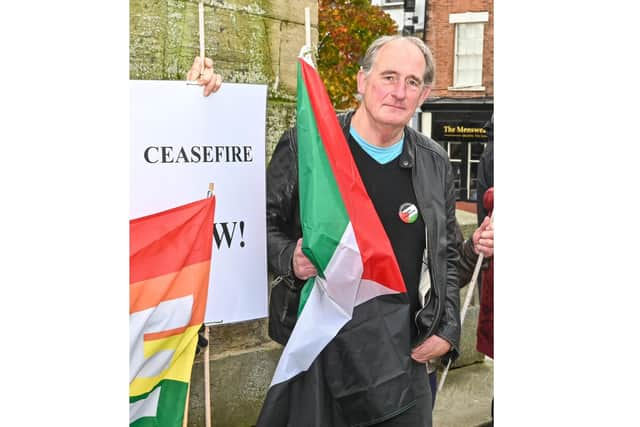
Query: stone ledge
{"x": 239, "y": 383}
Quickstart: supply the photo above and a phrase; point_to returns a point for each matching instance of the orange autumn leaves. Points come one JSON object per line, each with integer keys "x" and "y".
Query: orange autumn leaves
{"x": 346, "y": 29}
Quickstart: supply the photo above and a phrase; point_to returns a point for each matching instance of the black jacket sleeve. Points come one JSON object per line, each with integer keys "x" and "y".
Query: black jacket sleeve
{"x": 283, "y": 222}
{"x": 449, "y": 326}
{"x": 468, "y": 258}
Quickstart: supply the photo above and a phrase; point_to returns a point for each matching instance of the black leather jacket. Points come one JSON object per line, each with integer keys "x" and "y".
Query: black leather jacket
{"x": 433, "y": 184}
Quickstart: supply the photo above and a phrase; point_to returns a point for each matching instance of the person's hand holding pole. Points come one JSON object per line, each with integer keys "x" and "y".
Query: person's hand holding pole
{"x": 483, "y": 238}
{"x": 205, "y": 76}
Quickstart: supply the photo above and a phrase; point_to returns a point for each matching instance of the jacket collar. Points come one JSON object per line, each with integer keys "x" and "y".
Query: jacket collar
{"x": 406, "y": 159}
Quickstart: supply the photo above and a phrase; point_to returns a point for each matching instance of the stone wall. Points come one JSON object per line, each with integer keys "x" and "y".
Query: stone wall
{"x": 250, "y": 41}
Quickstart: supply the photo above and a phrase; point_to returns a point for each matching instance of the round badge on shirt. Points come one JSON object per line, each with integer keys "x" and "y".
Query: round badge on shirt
{"x": 408, "y": 213}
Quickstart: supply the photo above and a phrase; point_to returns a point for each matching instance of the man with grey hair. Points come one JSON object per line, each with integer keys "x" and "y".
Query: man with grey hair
{"x": 403, "y": 171}
{"x": 409, "y": 181}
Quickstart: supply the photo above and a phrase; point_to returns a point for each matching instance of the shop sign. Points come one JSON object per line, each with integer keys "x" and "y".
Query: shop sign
{"x": 459, "y": 131}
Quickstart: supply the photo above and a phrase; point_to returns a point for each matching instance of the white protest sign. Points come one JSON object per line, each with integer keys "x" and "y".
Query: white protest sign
{"x": 180, "y": 142}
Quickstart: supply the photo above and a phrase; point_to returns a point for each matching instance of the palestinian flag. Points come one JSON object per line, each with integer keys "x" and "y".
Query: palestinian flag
{"x": 170, "y": 259}
{"x": 347, "y": 361}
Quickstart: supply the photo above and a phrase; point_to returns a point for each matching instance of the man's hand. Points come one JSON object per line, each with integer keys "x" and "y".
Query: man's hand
{"x": 210, "y": 80}
{"x": 433, "y": 347}
{"x": 302, "y": 267}
{"x": 483, "y": 238}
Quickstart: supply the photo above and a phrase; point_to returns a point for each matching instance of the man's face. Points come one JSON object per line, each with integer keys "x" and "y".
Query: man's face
{"x": 394, "y": 88}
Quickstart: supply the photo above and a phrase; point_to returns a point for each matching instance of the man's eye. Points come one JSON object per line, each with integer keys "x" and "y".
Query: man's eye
{"x": 413, "y": 83}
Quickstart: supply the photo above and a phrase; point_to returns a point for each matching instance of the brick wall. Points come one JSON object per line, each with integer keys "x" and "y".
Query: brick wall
{"x": 440, "y": 38}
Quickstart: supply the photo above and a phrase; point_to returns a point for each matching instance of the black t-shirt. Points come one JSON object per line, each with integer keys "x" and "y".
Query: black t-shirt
{"x": 389, "y": 186}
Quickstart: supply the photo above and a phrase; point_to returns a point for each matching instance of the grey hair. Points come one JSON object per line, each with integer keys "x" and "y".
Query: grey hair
{"x": 370, "y": 56}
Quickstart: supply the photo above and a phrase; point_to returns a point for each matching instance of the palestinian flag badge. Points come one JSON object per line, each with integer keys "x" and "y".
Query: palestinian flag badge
{"x": 408, "y": 213}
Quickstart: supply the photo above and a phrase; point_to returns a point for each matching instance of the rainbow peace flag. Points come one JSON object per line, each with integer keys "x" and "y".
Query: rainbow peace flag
{"x": 170, "y": 260}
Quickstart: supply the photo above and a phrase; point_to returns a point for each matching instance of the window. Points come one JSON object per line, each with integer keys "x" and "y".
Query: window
{"x": 465, "y": 157}
{"x": 469, "y": 40}
{"x": 473, "y": 156}
{"x": 455, "y": 151}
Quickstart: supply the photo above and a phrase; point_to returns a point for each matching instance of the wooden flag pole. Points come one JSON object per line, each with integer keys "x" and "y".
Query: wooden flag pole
{"x": 194, "y": 82}
{"x": 207, "y": 380}
{"x": 307, "y": 27}
{"x": 306, "y": 51}
{"x": 201, "y": 31}
{"x": 465, "y": 306}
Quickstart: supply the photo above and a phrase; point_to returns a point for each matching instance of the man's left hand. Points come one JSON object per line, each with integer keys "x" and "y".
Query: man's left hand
{"x": 433, "y": 347}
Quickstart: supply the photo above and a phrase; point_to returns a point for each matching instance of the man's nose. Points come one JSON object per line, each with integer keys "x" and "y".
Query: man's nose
{"x": 400, "y": 89}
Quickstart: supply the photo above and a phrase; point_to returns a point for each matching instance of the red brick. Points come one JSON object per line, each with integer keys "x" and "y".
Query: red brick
{"x": 440, "y": 38}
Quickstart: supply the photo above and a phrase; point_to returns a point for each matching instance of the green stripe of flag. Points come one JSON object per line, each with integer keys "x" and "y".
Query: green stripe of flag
{"x": 322, "y": 210}
{"x": 173, "y": 396}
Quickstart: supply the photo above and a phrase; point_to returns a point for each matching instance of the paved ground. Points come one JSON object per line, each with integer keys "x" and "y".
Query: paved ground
{"x": 465, "y": 399}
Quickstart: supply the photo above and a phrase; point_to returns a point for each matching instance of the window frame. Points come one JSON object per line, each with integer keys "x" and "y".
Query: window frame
{"x": 467, "y": 18}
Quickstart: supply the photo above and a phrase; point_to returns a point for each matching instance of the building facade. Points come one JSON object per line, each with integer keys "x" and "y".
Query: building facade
{"x": 460, "y": 35}
{"x": 408, "y": 14}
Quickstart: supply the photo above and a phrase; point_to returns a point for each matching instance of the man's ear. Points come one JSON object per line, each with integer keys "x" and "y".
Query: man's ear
{"x": 425, "y": 94}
